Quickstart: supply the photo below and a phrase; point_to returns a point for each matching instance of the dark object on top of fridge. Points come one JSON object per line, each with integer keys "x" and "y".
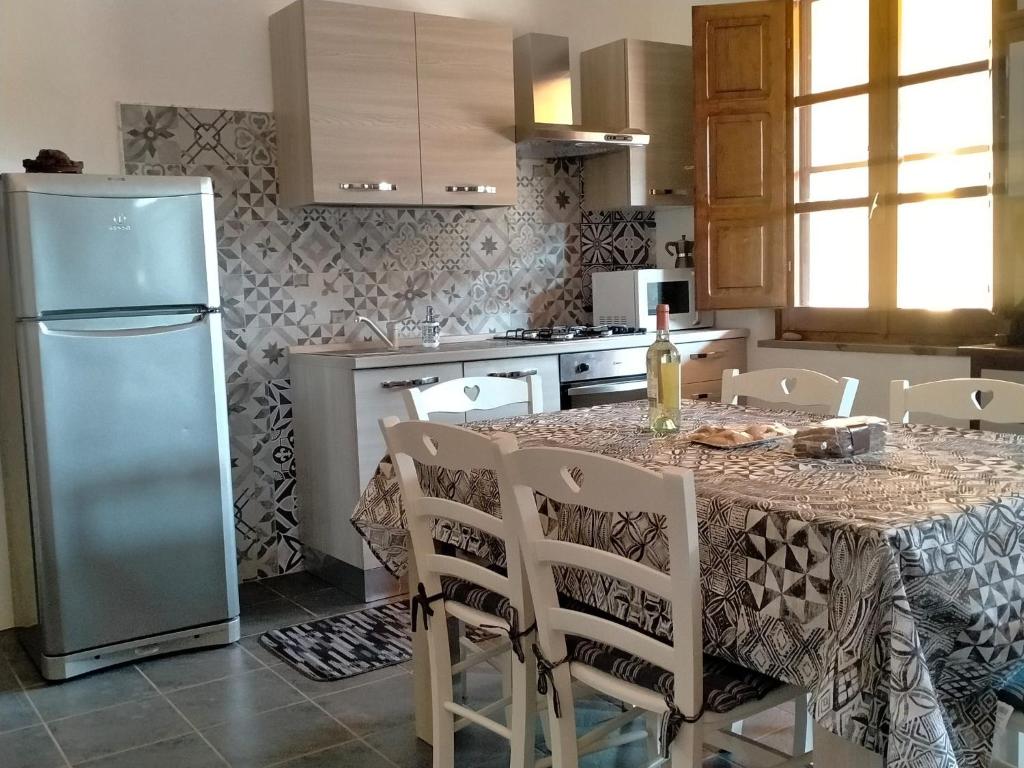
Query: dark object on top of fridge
{"x": 52, "y": 161}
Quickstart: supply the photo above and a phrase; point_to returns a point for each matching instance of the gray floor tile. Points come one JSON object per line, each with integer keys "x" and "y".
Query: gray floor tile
{"x": 272, "y": 615}
{"x": 95, "y": 691}
{"x": 252, "y": 593}
{"x": 184, "y": 669}
{"x": 329, "y": 602}
{"x": 293, "y": 584}
{"x": 29, "y": 748}
{"x": 15, "y": 710}
{"x": 354, "y": 754}
{"x": 379, "y": 705}
{"x": 276, "y": 736}
{"x": 86, "y": 737}
{"x": 315, "y": 689}
{"x": 234, "y": 698}
{"x": 22, "y": 666}
{"x": 265, "y": 657}
{"x": 188, "y": 751}
{"x": 400, "y": 746}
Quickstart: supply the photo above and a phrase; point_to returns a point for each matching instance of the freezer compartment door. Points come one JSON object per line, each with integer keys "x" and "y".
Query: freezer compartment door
{"x": 74, "y": 253}
{"x": 130, "y": 477}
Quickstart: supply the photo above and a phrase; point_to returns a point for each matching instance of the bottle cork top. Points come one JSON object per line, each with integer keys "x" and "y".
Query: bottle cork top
{"x": 663, "y": 313}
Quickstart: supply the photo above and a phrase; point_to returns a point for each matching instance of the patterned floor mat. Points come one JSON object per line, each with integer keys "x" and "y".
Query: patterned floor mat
{"x": 352, "y": 644}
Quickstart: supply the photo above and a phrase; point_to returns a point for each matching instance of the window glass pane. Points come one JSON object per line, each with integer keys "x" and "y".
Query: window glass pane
{"x": 838, "y": 44}
{"x": 945, "y": 254}
{"x": 940, "y": 118}
{"x": 838, "y": 137}
{"x": 943, "y": 33}
{"x": 833, "y": 248}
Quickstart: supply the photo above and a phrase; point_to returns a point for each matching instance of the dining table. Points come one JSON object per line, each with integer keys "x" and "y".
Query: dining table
{"x": 890, "y": 584}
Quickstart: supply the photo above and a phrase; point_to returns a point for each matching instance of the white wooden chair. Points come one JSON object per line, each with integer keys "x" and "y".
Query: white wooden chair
{"x": 791, "y": 386}
{"x": 474, "y": 393}
{"x": 992, "y": 400}
{"x": 673, "y": 681}
{"x": 452, "y": 586}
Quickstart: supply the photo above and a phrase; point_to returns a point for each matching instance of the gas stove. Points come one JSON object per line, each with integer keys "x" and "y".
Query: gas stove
{"x": 570, "y": 333}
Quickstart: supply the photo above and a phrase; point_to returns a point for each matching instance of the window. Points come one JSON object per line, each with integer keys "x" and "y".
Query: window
{"x": 893, "y": 158}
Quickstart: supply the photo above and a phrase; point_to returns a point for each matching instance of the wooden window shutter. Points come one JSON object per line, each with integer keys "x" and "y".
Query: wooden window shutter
{"x": 743, "y": 161}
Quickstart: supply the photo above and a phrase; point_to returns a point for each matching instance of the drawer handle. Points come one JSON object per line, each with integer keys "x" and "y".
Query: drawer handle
{"x": 487, "y": 189}
{"x": 701, "y": 396}
{"x": 376, "y": 186}
{"x": 514, "y": 374}
{"x": 406, "y": 383}
{"x": 656, "y": 192}
{"x": 706, "y": 355}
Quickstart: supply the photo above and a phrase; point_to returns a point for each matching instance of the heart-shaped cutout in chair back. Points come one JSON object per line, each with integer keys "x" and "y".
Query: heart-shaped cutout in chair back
{"x": 788, "y": 385}
{"x": 981, "y": 398}
{"x": 573, "y": 477}
{"x": 472, "y": 392}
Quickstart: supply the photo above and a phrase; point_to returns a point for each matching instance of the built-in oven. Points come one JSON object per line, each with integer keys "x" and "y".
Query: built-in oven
{"x": 603, "y": 376}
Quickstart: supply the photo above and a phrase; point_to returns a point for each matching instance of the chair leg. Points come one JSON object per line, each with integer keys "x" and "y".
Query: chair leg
{"x": 563, "y": 729}
{"x": 523, "y": 718}
{"x": 443, "y": 691}
{"x": 687, "y": 750}
{"x": 802, "y": 731}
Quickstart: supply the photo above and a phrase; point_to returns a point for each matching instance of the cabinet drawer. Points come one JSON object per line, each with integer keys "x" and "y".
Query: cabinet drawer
{"x": 378, "y": 393}
{"x": 705, "y": 360}
{"x": 546, "y": 367}
{"x": 704, "y": 390}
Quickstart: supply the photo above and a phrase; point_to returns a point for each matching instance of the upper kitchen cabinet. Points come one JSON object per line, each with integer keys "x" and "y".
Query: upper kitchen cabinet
{"x": 346, "y": 105}
{"x": 467, "y": 111}
{"x": 382, "y": 107}
{"x": 649, "y": 85}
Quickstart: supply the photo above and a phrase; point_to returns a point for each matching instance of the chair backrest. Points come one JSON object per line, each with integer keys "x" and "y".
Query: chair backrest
{"x": 992, "y": 400}
{"x": 611, "y": 486}
{"x": 791, "y": 386}
{"x": 474, "y": 393}
{"x": 448, "y": 447}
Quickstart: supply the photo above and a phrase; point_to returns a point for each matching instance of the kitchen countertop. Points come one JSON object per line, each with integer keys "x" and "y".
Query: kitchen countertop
{"x": 452, "y": 351}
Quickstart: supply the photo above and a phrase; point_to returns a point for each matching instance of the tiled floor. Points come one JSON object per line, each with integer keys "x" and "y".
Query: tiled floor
{"x": 240, "y": 706}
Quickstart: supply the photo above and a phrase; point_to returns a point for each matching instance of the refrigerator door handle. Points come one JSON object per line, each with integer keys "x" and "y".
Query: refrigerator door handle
{"x": 48, "y": 329}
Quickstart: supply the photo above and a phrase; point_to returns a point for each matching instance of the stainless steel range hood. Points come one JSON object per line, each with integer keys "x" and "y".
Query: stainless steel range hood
{"x": 545, "y": 123}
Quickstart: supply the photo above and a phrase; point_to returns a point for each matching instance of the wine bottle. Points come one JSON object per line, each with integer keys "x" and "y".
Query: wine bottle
{"x": 663, "y": 365}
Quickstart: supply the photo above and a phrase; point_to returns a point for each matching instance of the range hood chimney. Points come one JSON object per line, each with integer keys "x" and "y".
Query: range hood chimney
{"x": 545, "y": 124}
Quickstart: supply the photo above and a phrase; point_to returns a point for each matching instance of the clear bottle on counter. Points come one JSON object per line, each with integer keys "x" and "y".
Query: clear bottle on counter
{"x": 430, "y": 330}
{"x": 663, "y": 379}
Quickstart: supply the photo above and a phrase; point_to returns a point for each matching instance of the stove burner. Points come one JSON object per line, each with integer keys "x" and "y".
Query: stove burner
{"x": 570, "y": 332}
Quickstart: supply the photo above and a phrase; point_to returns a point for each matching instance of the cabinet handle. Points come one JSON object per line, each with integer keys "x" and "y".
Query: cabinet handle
{"x": 487, "y": 189}
{"x": 514, "y": 374}
{"x": 406, "y": 383}
{"x": 656, "y": 192}
{"x": 376, "y": 186}
{"x": 701, "y": 396}
{"x": 706, "y": 355}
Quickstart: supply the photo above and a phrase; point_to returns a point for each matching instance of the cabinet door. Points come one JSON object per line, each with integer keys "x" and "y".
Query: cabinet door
{"x": 466, "y": 111}
{"x": 361, "y": 70}
{"x": 741, "y": 86}
{"x": 545, "y": 366}
{"x": 378, "y": 393}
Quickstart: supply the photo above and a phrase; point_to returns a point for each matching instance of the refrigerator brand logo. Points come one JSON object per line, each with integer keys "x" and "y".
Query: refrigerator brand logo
{"x": 120, "y": 223}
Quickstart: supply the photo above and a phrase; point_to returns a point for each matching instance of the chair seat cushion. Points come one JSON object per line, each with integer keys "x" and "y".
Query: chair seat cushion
{"x": 726, "y": 685}
{"x": 1012, "y": 691}
{"x": 476, "y": 597}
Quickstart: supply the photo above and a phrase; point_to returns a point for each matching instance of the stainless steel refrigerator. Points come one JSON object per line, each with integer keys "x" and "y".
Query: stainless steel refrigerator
{"x": 116, "y": 465}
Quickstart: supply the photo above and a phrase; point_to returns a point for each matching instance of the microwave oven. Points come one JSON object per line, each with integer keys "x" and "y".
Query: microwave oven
{"x": 631, "y": 298}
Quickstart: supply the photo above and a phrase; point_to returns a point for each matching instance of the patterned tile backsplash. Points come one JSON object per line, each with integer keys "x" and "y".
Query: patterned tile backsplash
{"x": 301, "y": 276}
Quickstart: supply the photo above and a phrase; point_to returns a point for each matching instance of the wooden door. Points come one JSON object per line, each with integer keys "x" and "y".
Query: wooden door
{"x": 466, "y": 111}
{"x": 741, "y": 91}
{"x": 363, "y": 115}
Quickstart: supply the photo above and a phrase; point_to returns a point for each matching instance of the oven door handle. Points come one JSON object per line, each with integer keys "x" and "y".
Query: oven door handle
{"x": 607, "y": 388}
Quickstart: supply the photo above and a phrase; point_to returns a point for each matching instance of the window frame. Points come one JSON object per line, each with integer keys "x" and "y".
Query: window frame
{"x": 882, "y": 320}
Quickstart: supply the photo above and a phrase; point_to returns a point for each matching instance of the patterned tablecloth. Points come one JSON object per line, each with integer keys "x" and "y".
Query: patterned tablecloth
{"x": 891, "y": 585}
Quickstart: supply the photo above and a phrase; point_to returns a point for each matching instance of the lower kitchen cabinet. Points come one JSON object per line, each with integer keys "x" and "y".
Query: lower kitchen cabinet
{"x": 545, "y": 366}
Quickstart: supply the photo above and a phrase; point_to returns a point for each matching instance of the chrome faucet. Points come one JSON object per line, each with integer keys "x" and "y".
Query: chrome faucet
{"x": 390, "y": 339}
